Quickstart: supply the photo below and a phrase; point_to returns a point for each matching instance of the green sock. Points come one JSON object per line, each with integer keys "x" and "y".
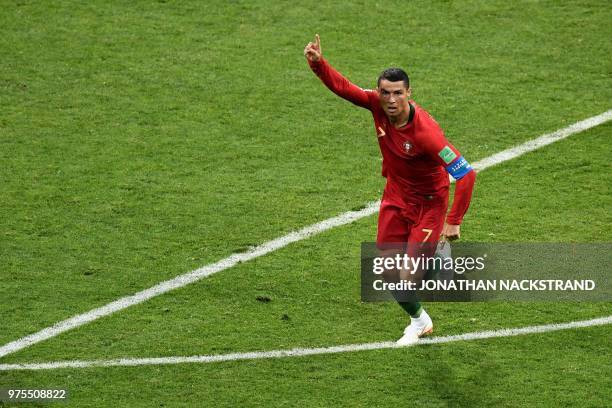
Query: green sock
{"x": 414, "y": 309}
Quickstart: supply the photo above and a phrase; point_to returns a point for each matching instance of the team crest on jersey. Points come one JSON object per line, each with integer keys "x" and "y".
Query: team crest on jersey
{"x": 407, "y": 146}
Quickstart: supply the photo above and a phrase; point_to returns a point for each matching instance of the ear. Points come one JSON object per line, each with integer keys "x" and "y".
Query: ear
{"x": 409, "y": 92}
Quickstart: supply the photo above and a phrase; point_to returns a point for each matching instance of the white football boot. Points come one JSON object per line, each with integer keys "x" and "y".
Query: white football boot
{"x": 418, "y": 327}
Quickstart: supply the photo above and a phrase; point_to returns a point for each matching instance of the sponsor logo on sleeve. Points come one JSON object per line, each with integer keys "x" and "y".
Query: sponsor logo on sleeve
{"x": 447, "y": 154}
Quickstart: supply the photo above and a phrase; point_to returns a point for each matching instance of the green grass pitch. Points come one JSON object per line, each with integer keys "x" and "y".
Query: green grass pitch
{"x": 142, "y": 140}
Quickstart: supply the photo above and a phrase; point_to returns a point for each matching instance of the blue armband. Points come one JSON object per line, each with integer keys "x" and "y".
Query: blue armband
{"x": 459, "y": 168}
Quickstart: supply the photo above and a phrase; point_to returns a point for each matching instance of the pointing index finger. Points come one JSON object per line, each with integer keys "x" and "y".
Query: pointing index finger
{"x": 318, "y": 41}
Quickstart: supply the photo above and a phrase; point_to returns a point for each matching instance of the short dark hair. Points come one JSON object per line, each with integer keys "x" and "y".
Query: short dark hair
{"x": 394, "y": 75}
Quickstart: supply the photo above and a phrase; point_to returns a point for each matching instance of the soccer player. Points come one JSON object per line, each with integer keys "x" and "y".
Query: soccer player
{"x": 416, "y": 159}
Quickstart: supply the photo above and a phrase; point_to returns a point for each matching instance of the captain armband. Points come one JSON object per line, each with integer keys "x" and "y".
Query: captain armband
{"x": 459, "y": 168}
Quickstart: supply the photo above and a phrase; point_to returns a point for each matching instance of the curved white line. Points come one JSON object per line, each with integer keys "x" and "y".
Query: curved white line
{"x": 299, "y": 352}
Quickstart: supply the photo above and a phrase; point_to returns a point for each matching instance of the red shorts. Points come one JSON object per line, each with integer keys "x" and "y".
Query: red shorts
{"x": 412, "y": 219}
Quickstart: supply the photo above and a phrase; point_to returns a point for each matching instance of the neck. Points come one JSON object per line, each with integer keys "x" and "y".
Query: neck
{"x": 401, "y": 119}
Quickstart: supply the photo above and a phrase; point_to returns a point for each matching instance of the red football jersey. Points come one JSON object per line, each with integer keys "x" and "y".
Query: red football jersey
{"x": 417, "y": 157}
{"x": 410, "y": 153}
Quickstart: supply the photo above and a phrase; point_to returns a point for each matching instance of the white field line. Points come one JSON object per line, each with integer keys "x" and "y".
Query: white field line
{"x": 271, "y": 246}
{"x": 298, "y": 352}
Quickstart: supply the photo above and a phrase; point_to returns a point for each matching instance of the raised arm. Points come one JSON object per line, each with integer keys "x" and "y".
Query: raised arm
{"x": 332, "y": 78}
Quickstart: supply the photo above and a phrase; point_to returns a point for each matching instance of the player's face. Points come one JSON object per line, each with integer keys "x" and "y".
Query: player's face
{"x": 393, "y": 97}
